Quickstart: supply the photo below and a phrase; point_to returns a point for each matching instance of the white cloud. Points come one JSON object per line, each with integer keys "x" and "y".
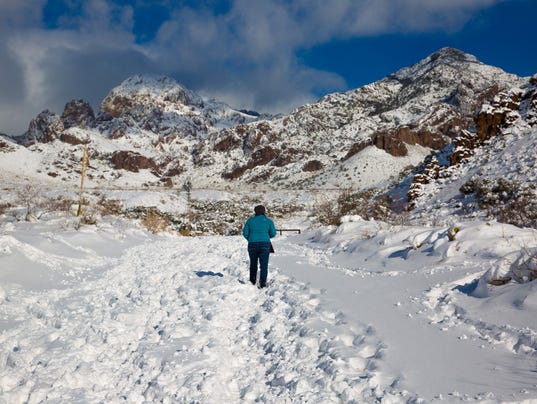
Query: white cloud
{"x": 245, "y": 54}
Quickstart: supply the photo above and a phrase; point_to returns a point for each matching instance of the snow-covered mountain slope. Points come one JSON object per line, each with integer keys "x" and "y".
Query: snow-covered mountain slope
{"x": 497, "y": 158}
{"x": 153, "y": 131}
{"x": 143, "y": 134}
{"x": 425, "y": 104}
{"x": 164, "y": 107}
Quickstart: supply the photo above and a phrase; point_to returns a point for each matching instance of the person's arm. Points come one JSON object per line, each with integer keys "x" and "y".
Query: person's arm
{"x": 246, "y": 230}
{"x": 272, "y": 230}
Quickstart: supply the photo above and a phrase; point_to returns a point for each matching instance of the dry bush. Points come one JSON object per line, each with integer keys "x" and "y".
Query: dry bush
{"x": 155, "y": 222}
{"x": 507, "y": 201}
{"x": 30, "y": 197}
{"x": 327, "y": 213}
{"x": 37, "y": 204}
{"x": 58, "y": 204}
{"x": 186, "y": 231}
{"x": 218, "y": 217}
{"x": 110, "y": 207}
{"x": 4, "y": 207}
{"x": 366, "y": 204}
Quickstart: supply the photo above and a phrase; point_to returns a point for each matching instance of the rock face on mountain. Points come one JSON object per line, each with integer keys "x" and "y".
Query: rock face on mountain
{"x": 164, "y": 107}
{"x": 427, "y": 104}
{"x": 44, "y": 128}
{"x": 511, "y": 114}
{"x": 78, "y": 113}
{"x": 155, "y": 128}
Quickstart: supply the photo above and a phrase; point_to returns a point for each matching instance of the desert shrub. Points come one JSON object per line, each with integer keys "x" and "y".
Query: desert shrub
{"x": 186, "y": 231}
{"x": 30, "y": 197}
{"x": 452, "y": 233}
{"x": 110, "y": 207}
{"x": 155, "y": 221}
{"x": 88, "y": 219}
{"x": 58, "y": 204}
{"x": 219, "y": 217}
{"x": 367, "y": 204}
{"x": 4, "y": 207}
{"x": 326, "y": 213}
{"x": 506, "y": 201}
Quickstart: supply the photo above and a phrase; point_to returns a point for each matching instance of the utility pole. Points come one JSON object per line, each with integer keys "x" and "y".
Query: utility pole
{"x": 85, "y": 160}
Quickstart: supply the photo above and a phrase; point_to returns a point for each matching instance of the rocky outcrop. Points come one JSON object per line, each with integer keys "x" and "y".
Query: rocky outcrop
{"x": 6, "y": 145}
{"x": 260, "y": 157}
{"x": 73, "y": 139}
{"x": 132, "y": 161}
{"x": 494, "y": 116}
{"x": 162, "y": 106}
{"x": 357, "y": 148}
{"x": 394, "y": 141}
{"x": 491, "y": 119}
{"x": 430, "y": 172}
{"x": 48, "y": 126}
{"x": 230, "y": 139}
{"x": 529, "y": 102}
{"x": 78, "y": 113}
{"x": 312, "y": 165}
{"x": 44, "y": 128}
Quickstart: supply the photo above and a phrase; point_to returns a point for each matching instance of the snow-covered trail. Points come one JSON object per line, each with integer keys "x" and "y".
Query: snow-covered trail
{"x": 430, "y": 346}
{"x": 174, "y": 321}
{"x": 138, "y": 318}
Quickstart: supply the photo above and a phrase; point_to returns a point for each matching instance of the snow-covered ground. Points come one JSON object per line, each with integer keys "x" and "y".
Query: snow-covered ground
{"x": 366, "y": 312}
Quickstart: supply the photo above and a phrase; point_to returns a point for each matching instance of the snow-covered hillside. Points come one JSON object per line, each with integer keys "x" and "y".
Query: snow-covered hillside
{"x": 162, "y": 106}
{"x": 153, "y": 131}
{"x": 328, "y": 143}
{"x": 501, "y": 151}
{"x": 363, "y": 313}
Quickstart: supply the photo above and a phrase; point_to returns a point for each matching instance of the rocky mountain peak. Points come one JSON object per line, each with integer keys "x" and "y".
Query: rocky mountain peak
{"x": 145, "y": 93}
{"x": 45, "y": 127}
{"x": 78, "y": 113}
{"x": 407, "y": 114}
{"x": 451, "y": 55}
{"x": 444, "y": 57}
{"x": 164, "y": 107}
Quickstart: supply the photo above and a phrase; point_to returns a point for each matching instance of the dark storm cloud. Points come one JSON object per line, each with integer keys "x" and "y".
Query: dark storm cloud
{"x": 91, "y": 72}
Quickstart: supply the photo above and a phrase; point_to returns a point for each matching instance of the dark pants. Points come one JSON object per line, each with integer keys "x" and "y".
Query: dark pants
{"x": 259, "y": 251}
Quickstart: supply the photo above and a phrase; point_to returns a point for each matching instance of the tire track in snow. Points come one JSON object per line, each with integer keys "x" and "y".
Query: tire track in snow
{"x": 177, "y": 321}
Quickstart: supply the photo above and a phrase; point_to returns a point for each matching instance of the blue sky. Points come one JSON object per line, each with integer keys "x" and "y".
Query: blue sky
{"x": 267, "y": 55}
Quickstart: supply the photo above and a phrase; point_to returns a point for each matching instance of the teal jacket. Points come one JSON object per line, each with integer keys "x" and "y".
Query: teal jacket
{"x": 259, "y": 229}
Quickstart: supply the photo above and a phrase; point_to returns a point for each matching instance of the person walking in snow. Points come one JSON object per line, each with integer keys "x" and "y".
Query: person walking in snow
{"x": 258, "y": 230}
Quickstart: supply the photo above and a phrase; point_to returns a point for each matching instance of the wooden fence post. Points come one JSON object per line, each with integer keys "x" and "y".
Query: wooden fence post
{"x": 85, "y": 159}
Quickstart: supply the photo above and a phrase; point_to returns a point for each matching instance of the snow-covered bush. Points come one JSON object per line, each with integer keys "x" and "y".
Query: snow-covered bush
{"x": 524, "y": 268}
{"x": 519, "y": 266}
{"x": 366, "y": 204}
{"x": 58, "y": 204}
{"x": 507, "y": 201}
{"x": 30, "y": 197}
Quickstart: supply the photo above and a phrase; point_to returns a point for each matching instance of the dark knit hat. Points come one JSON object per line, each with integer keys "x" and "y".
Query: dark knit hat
{"x": 259, "y": 210}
